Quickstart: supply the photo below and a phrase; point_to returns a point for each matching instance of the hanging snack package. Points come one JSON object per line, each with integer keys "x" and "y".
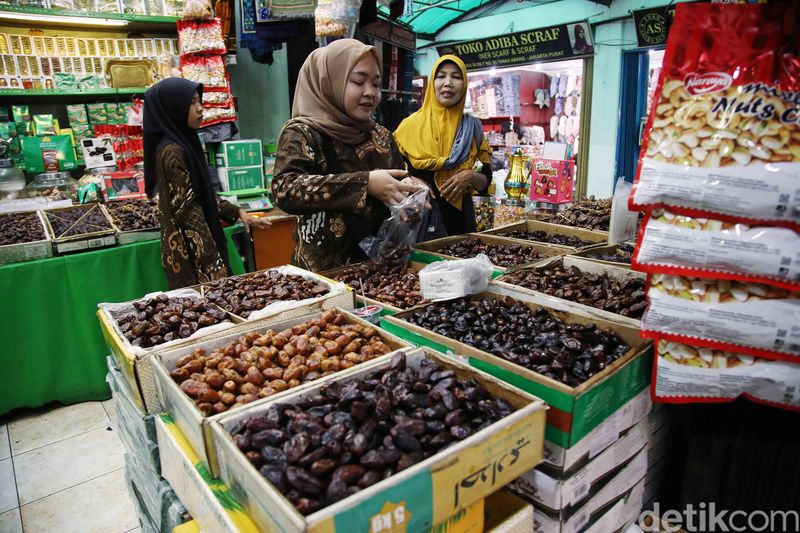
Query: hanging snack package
{"x": 748, "y": 318}
{"x": 683, "y": 245}
{"x": 200, "y": 36}
{"x": 688, "y": 374}
{"x": 723, "y": 136}
{"x": 217, "y": 115}
{"x": 210, "y": 71}
{"x": 197, "y": 10}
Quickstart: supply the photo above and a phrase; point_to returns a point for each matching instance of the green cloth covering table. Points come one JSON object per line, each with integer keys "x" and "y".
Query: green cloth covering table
{"x": 51, "y": 346}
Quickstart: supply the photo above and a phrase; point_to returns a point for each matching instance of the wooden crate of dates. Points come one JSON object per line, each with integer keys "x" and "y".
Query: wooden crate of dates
{"x": 80, "y": 227}
{"x": 589, "y": 213}
{"x": 571, "y": 360}
{"x": 23, "y": 237}
{"x": 274, "y": 291}
{"x": 392, "y": 289}
{"x": 156, "y": 322}
{"x": 135, "y": 220}
{"x": 405, "y": 442}
{"x": 608, "y": 292}
{"x": 618, "y": 255}
{"x": 550, "y": 234}
{"x": 274, "y": 357}
{"x": 503, "y": 253}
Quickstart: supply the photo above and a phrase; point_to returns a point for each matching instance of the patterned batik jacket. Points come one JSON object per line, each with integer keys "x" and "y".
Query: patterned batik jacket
{"x": 330, "y": 197}
{"x": 189, "y": 254}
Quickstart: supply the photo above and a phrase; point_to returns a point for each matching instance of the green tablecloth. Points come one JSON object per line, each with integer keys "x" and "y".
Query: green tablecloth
{"x": 51, "y": 347}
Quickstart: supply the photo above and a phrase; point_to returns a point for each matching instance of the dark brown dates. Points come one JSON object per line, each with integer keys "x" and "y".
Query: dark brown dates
{"x": 551, "y": 238}
{"x": 162, "y": 319}
{"x": 132, "y": 215}
{"x": 241, "y": 295}
{"x": 534, "y": 339}
{"x": 626, "y": 298}
{"x": 367, "y": 450}
{"x": 504, "y": 255}
{"x": 398, "y": 286}
{"x": 258, "y": 365}
{"x": 77, "y": 220}
{"x": 17, "y": 228}
{"x": 588, "y": 213}
{"x": 620, "y": 254}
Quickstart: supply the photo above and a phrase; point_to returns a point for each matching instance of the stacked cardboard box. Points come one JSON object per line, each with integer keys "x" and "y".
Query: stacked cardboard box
{"x": 239, "y": 165}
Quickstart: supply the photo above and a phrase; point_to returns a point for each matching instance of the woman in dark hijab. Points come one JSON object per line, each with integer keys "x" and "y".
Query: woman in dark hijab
{"x": 193, "y": 246}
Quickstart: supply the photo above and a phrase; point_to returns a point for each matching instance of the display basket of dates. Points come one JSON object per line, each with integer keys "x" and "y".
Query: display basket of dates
{"x": 589, "y": 213}
{"x": 393, "y": 289}
{"x": 135, "y": 220}
{"x": 503, "y": 253}
{"x": 618, "y": 255}
{"x": 23, "y": 237}
{"x": 274, "y": 291}
{"x": 80, "y": 227}
{"x": 197, "y": 382}
{"x": 551, "y": 234}
{"x": 608, "y": 292}
{"x": 407, "y": 440}
{"x": 568, "y": 359}
{"x": 159, "y": 321}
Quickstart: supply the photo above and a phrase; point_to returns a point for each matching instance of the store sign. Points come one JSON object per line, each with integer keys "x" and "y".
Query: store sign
{"x": 392, "y": 33}
{"x": 652, "y": 25}
{"x": 565, "y": 41}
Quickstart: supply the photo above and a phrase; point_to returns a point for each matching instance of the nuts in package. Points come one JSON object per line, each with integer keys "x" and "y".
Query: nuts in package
{"x": 208, "y": 70}
{"x": 676, "y": 244}
{"x": 748, "y": 318}
{"x": 723, "y": 136}
{"x": 200, "y": 36}
{"x": 217, "y": 115}
{"x": 686, "y": 374}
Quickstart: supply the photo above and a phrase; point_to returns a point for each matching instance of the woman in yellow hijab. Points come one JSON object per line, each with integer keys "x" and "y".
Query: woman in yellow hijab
{"x": 446, "y": 148}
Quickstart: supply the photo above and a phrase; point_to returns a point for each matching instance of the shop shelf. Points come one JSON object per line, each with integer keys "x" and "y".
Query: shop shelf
{"x": 153, "y": 22}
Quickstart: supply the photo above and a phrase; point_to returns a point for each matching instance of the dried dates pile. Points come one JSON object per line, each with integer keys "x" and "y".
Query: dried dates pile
{"x": 551, "y": 238}
{"x": 77, "y": 221}
{"x": 18, "y": 228}
{"x": 536, "y": 340}
{"x": 626, "y": 298}
{"x": 259, "y": 365}
{"x": 241, "y": 295}
{"x": 504, "y": 255}
{"x": 164, "y": 319}
{"x": 590, "y": 214}
{"x": 398, "y": 286}
{"x": 327, "y": 447}
{"x": 132, "y": 215}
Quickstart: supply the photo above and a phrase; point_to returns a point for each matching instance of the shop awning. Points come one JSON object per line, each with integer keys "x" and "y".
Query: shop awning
{"x": 430, "y": 16}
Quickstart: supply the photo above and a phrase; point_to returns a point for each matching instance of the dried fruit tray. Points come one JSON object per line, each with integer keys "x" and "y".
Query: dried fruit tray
{"x": 573, "y": 411}
{"x": 190, "y": 419}
{"x": 129, "y": 236}
{"x": 427, "y": 252}
{"x": 27, "y": 251}
{"x": 622, "y": 251}
{"x": 597, "y": 237}
{"x": 99, "y": 230}
{"x": 618, "y": 273}
{"x": 412, "y": 499}
{"x": 386, "y": 308}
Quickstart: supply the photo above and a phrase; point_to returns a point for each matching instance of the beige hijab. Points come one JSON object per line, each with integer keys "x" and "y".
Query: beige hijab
{"x": 319, "y": 95}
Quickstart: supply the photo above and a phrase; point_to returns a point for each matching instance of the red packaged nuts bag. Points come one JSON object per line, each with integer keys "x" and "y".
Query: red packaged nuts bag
{"x": 688, "y": 374}
{"x": 200, "y": 37}
{"x": 723, "y": 136}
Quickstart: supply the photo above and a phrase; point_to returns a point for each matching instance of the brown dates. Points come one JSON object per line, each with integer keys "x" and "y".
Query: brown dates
{"x": 77, "y": 220}
{"x": 351, "y": 447}
{"x": 588, "y": 213}
{"x": 16, "y": 228}
{"x": 258, "y": 365}
{"x": 626, "y": 298}
{"x": 132, "y": 215}
{"x": 398, "y": 286}
{"x": 504, "y": 255}
{"x": 551, "y": 238}
{"x": 567, "y": 352}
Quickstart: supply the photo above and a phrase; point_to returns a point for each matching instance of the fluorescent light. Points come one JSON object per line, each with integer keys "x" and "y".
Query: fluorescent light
{"x": 28, "y": 17}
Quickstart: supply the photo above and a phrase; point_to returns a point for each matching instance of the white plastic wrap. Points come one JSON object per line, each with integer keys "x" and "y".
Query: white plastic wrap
{"x": 445, "y": 280}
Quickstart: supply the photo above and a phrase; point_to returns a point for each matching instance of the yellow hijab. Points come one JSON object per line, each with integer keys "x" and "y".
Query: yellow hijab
{"x": 426, "y": 137}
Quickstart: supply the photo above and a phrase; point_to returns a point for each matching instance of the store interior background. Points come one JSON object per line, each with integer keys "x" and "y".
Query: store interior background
{"x": 265, "y": 87}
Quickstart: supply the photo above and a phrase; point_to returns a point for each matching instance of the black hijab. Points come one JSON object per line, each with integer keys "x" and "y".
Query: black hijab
{"x": 166, "y": 121}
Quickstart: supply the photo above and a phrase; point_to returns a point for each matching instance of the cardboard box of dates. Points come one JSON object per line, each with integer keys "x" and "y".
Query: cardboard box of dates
{"x": 260, "y": 360}
{"x": 389, "y": 470}
{"x": 80, "y": 227}
{"x": 503, "y": 253}
{"x": 133, "y": 330}
{"x": 550, "y": 234}
{"x": 135, "y": 220}
{"x": 23, "y": 237}
{"x": 618, "y": 255}
{"x": 608, "y": 292}
{"x": 584, "y": 367}
{"x": 392, "y": 289}
{"x": 266, "y": 293}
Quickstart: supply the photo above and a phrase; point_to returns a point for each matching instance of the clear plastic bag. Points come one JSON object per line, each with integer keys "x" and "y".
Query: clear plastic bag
{"x": 445, "y": 280}
{"x": 432, "y": 226}
{"x": 392, "y": 246}
{"x": 197, "y": 9}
